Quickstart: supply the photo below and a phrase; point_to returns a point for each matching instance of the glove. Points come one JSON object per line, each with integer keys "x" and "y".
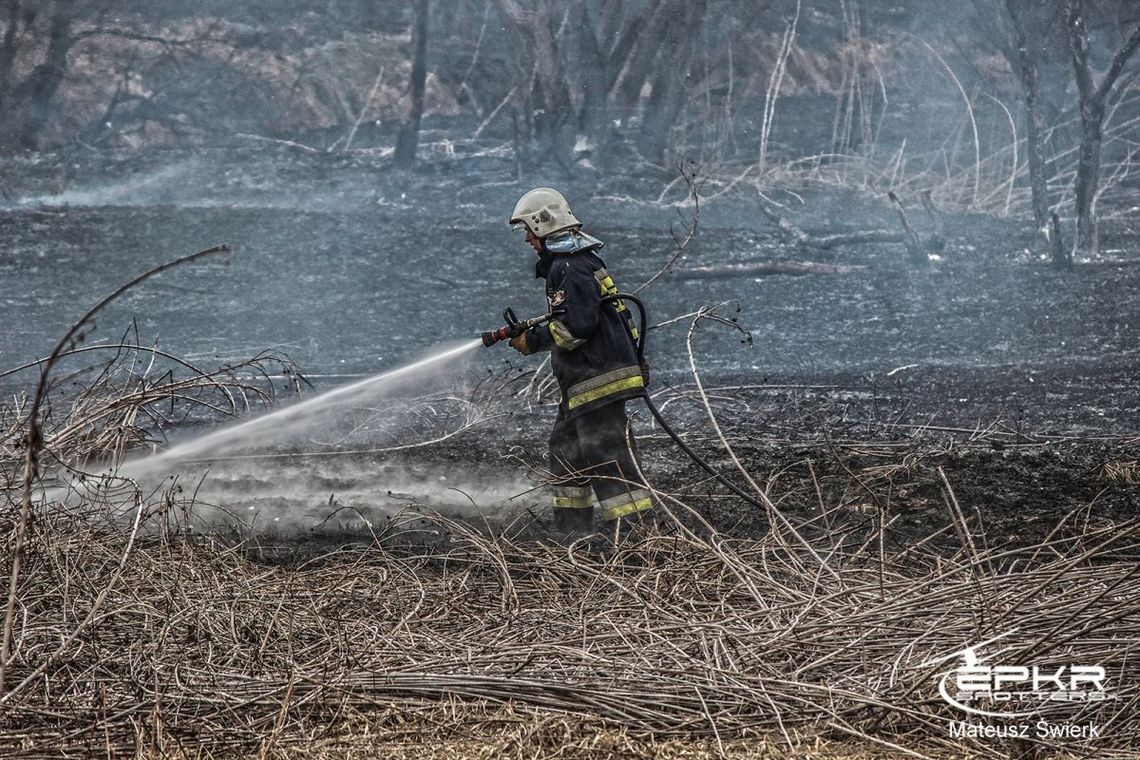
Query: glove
{"x": 519, "y": 343}
{"x": 645, "y": 372}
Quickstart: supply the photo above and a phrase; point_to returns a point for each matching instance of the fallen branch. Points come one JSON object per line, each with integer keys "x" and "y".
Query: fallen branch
{"x": 914, "y": 251}
{"x": 287, "y": 143}
{"x": 811, "y": 241}
{"x": 765, "y": 269}
{"x": 860, "y": 237}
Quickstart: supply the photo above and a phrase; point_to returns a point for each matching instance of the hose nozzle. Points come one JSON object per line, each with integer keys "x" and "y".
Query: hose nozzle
{"x": 491, "y": 337}
{"x": 512, "y": 328}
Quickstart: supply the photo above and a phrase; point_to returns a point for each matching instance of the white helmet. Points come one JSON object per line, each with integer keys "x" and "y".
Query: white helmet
{"x": 544, "y": 211}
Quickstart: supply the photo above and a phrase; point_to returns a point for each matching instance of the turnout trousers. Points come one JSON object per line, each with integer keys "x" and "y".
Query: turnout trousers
{"x": 591, "y": 456}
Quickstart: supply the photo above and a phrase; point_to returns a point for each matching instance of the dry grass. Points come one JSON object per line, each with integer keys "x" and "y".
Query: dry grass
{"x": 127, "y": 643}
{"x": 980, "y": 166}
{"x": 1123, "y": 470}
{"x": 131, "y": 397}
{"x": 481, "y": 731}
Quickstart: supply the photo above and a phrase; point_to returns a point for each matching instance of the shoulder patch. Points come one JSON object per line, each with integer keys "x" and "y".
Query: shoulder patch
{"x": 556, "y": 298}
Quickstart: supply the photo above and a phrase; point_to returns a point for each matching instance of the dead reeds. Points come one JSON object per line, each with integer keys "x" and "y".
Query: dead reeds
{"x": 126, "y": 640}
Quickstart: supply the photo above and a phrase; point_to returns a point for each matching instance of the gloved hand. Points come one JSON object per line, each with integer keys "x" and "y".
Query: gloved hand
{"x": 519, "y": 343}
{"x": 645, "y": 372}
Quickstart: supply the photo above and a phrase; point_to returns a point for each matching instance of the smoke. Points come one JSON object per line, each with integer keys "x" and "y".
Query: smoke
{"x": 342, "y": 492}
{"x": 163, "y": 185}
{"x": 205, "y": 181}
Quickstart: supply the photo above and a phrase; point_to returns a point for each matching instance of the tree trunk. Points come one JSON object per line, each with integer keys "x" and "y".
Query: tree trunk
{"x": 1088, "y": 176}
{"x": 1034, "y": 122}
{"x": 32, "y": 99}
{"x": 642, "y": 52}
{"x": 542, "y": 80}
{"x": 1092, "y": 100}
{"x": 654, "y": 137}
{"x": 594, "y": 117}
{"x": 1034, "y": 128}
{"x": 409, "y": 136}
{"x": 554, "y": 126}
{"x": 604, "y": 63}
{"x": 669, "y": 87}
{"x": 1092, "y": 114}
{"x": 8, "y": 52}
{"x": 1062, "y": 257}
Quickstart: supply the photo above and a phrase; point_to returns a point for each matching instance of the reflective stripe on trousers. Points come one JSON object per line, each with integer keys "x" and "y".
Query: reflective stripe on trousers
{"x": 636, "y": 500}
{"x": 572, "y": 497}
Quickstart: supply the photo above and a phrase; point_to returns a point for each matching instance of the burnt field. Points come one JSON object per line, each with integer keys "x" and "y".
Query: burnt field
{"x": 948, "y": 455}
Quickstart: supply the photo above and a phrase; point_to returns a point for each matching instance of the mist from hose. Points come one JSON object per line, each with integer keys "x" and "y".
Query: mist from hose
{"x": 295, "y": 466}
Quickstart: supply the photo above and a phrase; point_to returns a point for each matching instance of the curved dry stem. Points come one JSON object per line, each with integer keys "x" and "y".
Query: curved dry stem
{"x": 970, "y": 116}
{"x": 689, "y": 175}
{"x": 34, "y": 440}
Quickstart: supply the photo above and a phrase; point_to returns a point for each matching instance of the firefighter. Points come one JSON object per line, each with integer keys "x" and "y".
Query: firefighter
{"x": 594, "y": 359}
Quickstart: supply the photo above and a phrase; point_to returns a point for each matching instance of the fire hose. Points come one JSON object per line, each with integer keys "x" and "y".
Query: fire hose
{"x": 515, "y": 327}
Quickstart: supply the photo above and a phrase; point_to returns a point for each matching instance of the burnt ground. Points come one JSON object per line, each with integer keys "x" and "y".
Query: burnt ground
{"x": 1016, "y": 489}
{"x": 1013, "y": 378}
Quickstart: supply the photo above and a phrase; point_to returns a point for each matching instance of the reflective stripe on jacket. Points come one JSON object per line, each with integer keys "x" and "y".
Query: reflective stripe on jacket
{"x": 591, "y": 343}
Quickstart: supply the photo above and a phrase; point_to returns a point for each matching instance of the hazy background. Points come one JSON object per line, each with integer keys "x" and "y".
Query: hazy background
{"x": 135, "y": 134}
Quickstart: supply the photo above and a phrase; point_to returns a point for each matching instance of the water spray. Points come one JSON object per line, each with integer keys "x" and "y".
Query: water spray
{"x": 288, "y": 467}
{"x": 274, "y": 424}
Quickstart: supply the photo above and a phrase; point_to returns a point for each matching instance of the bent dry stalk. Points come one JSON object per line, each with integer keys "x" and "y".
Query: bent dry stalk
{"x": 34, "y": 440}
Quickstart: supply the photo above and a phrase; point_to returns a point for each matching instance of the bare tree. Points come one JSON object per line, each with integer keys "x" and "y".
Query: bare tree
{"x": 855, "y": 105}
{"x": 668, "y": 94}
{"x": 409, "y": 136}
{"x": 139, "y": 78}
{"x": 609, "y": 34}
{"x": 577, "y": 64}
{"x": 541, "y": 75}
{"x": 12, "y": 26}
{"x": 25, "y": 106}
{"x": 1093, "y": 97}
{"x": 1024, "y": 62}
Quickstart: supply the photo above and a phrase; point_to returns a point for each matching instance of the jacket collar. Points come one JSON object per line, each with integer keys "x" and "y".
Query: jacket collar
{"x": 571, "y": 241}
{"x": 565, "y": 243}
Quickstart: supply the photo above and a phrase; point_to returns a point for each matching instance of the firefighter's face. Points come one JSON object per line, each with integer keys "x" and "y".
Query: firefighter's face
{"x": 535, "y": 241}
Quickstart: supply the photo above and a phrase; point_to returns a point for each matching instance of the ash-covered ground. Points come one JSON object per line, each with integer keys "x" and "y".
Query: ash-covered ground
{"x": 1015, "y": 379}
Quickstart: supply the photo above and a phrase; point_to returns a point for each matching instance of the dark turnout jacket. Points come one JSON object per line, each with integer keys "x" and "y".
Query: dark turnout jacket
{"x": 591, "y": 343}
